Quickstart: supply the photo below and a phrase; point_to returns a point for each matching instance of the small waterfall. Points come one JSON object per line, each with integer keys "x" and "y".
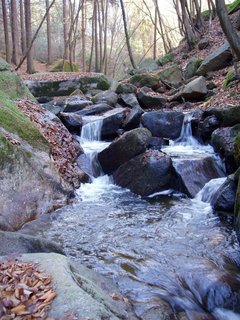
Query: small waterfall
{"x": 209, "y": 190}
{"x": 186, "y": 137}
{"x": 92, "y": 130}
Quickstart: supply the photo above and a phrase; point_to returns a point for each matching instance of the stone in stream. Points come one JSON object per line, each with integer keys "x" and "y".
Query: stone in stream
{"x": 193, "y": 174}
{"x": 17, "y": 243}
{"x": 55, "y": 106}
{"x": 228, "y": 116}
{"x": 224, "y": 142}
{"x": 112, "y": 122}
{"x": 80, "y": 292}
{"x": 76, "y": 103}
{"x": 129, "y": 145}
{"x": 129, "y": 100}
{"x": 207, "y": 126}
{"x": 109, "y": 97}
{"x": 72, "y": 121}
{"x": 149, "y": 99}
{"x": 146, "y": 173}
{"x": 163, "y": 124}
{"x": 224, "y": 198}
{"x": 133, "y": 118}
{"x": 95, "y": 109}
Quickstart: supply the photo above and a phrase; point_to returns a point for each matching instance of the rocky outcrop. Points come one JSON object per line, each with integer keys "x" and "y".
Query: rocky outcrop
{"x": 129, "y": 145}
{"x": 195, "y": 90}
{"x": 79, "y": 291}
{"x": 163, "y": 124}
{"x": 64, "y": 87}
{"x": 149, "y": 99}
{"x": 218, "y": 59}
{"x": 146, "y": 173}
{"x": 193, "y": 174}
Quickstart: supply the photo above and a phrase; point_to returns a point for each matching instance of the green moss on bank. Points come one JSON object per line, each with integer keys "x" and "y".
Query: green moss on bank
{"x": 63, "y": 65}
{"x": 6, "y": 149}
{"x": 234, "y": 6}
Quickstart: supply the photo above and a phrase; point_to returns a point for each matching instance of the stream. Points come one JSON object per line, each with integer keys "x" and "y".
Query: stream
{"x": 162, "y": 248}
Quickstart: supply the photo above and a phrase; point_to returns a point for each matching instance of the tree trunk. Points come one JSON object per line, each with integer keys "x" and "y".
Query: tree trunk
{"x": 228, "y": 29}
{"x": 15, "y": 35}
{"x": 49, "y": 39}
{"x": 155, "y": 35}
{"x": 187, "y": 26}
{"x": 65, "y": 30}
{"x": 96, "y": 36}
{"x": 83, "y": 36}
{"x": 105, "y": 53}
{"x": 22, "y": 25}
{"x": 6, "y": 34}
{"x": 28, "y": 26}
{"x": 93, "y": 40}
{"x": 127, "y": 35}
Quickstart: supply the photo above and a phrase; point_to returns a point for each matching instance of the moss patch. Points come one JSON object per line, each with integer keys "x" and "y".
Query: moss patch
{"x": 169, "y": 57}
{"x": 234, "y": 6}
{"x": 4, "y": 65}
{"x": 63, "y": 65}
{"x": 229, "y": 78}
{"x": 145, "y": 79}
{"x": 6, "y": 149}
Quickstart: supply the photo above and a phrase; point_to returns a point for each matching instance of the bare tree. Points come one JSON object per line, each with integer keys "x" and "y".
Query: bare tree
{"x": 65, "y": 30}
{"x": 22, "y": 26}
{"x": 15, "y": 34}
{"x": 127, "y": 35}
{"x": 49, "y": 38}
{"x": 6, "y": 34}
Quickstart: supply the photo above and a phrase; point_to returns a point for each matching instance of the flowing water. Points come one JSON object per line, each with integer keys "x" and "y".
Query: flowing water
{"x": 165, "y": 247}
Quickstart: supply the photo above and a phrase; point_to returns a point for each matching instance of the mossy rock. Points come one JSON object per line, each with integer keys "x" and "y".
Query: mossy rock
{"x": 64, "y": 66}
{"x": 229, "y": 116}
{"x": 148, "y": 64}
{"x": 4, "y": 65}
{"x": 191, "y": 67}
{"x": 76, "y": 92}
{"x": 145, "y": 80}
{"x": 172, "y": 75}
{"x": 230, "y": 77}
{"x": 6, "y": 149}
{"x": 233, "y": 7}
{"x": 169, "y": 57}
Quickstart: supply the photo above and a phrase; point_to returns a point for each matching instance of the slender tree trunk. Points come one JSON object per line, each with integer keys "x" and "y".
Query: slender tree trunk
{"x": 6, "y": 33}
{"x": 15, "y": 34}
{"x": 93, "y": 40}
{"x": 155, "y": 35}
{"x": 105, "y": 53}
{"x": 187, "y": 26}
{"x": 49, "y": 38}
{"x": 166, "y": 49}
{"x": 96, "y": 37}
{"x": 65, "y": 29}
{"x": 28, "y": 26}
{"x": 83, "y": 36}
{"x": 228, "y": 29}
{"x": 127, "y": 35}
{"x": 22, "y": 26}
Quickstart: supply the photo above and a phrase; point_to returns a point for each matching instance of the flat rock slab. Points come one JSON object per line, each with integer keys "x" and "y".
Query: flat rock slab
{"x": 79, "y": 291}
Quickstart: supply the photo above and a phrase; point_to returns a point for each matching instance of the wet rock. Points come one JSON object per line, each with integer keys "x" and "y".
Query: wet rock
{"x": 109, "y": 97}
{"x": 195, "y": 90}
{"x": 95, "y": 109}
{"x": 56, "y": 88}
{"x": 72, "y": 121}
{"x": 149, "y": 99}
{"x": 228, "y": 116}
{"x": 80, "y": 291}
{"x": 161, "y": 312}
{"x": 156, "y": 143}
{"x": 76, "y": 103}
{"x": 203, "y": 44}
{"x": 191, "y": 68}
{"x": 55, "y": 106}
{"x": 17, "y": 243}
{"x": 224, "y": 199}
{"x": 193, "y": 174}
{"x": 146, "y": 173}
{"x": 163, "y": 124}
{"x": 112, "y": 122}
{"x": 126, "y": 88}
{"x": 172, "y": 76}
{"x": 218, "y": 59}
{"x": 129, "y": 100}
{"x": 42, "y": 100}
{"x": 223, "y": 141}
{"x": 207, "y": 126}
{"x": 133, "y": 118}
{"x": 129, "y": 145}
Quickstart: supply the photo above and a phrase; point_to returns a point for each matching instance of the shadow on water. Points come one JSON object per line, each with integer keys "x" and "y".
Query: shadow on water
{"x": 165, "y": 248}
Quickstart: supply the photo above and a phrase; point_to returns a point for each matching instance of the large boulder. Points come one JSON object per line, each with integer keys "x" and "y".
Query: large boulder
{"x": 193, "y": 174}
{"x": 216, "y": 60}
{"x": 80, "y": 292}
{"x": 44, "y": 85}
{"x": 145, "y": 79}
{"x": 95, "y": 109}
{"x": 146, "y": 173}
{"x": 172, "y": 76}
{"x": 195, "y": 90}
{"x": 207, "y": 126}
{"x": 126, "y": 88}
{"x": 18, "y": 243}
{"x": 112, "y": 122}
{"x": 224, "y": 199}
{"x": 224, "y": 142}
{"x": 228, "y": 116}
{"x": 109, "y": 97}
{"x": 129, "y": 100}
{"x": 163, "y": 124}
{"x": 72, "y": 121}
{"x": 129, "y": 145}
{"x": 149, "y": 99}
{"x": 76, "y": 103}
{"x": 191, "y": 67}
{"x": 133, "y": 118}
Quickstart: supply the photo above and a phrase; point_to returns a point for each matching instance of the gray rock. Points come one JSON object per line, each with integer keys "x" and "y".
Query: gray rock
{"x": 109, "y": 97}
{"x": 172, "y": 76}
{"x": 218, "y": 59}
{"x": 112, "y": 122}
{"x": 76, "y": 103}
{"x": 228, "y": 116}
{"x": 203, "y": 44}
{"x": 16, "y": 243}
{"x": 79, "y": 290}
{"x": 191, "y": 68}
{"x": 146, "y": 173}
{"x": 95, "y": 109}
{"x": 207, "y": 126}
{"x": 195, "y": 90}
{"x": 54, "y": 106}
{"x": 129, "y": 145}
{"x": 126, "y": 88}
{"x": 223, "y": 142}
{"x": 149, "y": 99}
{"x": 72, "y": 121}
{"x": 129, "y": 100}
{"x": 224, "y": 199}
{"x": 133, "y": 119}
{"x": 193, "y": 174}
{"x": 163, "y": 124}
